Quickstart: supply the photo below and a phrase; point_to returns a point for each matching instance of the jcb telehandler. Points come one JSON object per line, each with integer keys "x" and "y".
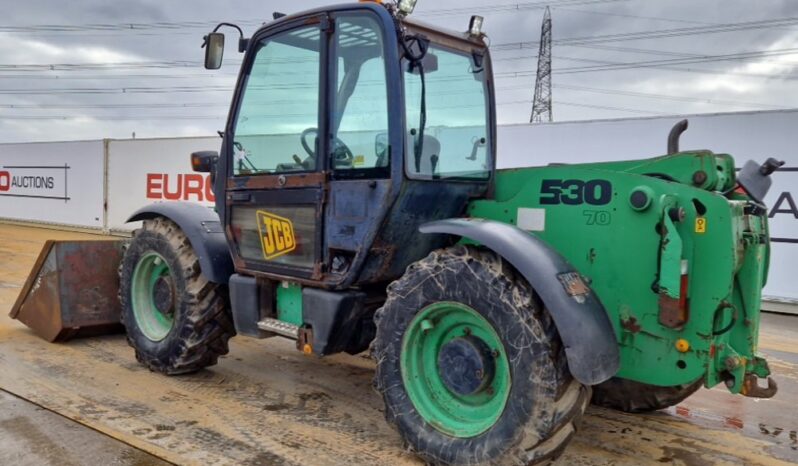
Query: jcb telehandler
{"x": 358, "y": 206}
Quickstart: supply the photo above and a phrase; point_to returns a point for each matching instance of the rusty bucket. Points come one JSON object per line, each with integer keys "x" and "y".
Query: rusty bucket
{"x": 72, "y": 290}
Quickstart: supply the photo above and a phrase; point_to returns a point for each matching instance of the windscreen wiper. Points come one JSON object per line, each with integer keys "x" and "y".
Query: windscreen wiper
{"x": 415, "y": 57}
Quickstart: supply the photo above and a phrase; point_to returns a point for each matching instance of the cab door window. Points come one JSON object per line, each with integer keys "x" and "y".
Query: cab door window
{"x": 360, "y": 118}
{"x": 276, "y": 126}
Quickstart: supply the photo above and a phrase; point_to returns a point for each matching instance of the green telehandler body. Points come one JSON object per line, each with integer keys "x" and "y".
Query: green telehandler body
{"x": 358, "y": 207}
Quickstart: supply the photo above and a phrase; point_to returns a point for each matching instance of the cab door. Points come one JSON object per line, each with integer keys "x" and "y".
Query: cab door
{"x": 276, "y": 177}
{"x": 365, "y": 126}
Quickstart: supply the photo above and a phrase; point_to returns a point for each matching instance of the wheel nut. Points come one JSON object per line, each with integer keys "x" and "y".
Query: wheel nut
{"x": 479, "y": 374}
{"x": 426, "y": 325}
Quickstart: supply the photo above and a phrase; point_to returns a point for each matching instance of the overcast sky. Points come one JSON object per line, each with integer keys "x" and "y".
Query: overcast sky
{"x": 91, "y": 69}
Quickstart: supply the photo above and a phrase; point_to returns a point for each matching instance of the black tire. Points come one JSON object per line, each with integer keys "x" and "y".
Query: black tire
{"x": 635, "y": 397}
{"x": 545, "y": 403}
{"x": 202, "y": 322}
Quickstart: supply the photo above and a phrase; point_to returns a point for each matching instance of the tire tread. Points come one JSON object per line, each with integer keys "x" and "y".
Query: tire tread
{"x": 208, "y": 325}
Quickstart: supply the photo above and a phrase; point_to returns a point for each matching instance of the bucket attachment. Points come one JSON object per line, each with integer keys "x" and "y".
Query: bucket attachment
{"x": 72, "y": 290}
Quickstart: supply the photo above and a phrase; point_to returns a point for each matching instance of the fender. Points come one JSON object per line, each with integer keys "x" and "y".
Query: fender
{"x": 584, "y": 327}
{"x": 204, "y": 231}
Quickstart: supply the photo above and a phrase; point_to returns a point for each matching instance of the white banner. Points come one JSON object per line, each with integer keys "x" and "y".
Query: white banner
{"x": 143, "y": 171}
{"x": 58, "y": 182}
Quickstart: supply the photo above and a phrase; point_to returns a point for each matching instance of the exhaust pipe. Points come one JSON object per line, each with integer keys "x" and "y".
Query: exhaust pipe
{"x": 675, "y": 134}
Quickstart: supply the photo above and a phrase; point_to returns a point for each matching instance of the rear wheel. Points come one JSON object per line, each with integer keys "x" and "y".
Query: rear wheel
{"x": 470, "y": 365}
{"x": 635, "y": 397}
{"x": 176, "y": 320}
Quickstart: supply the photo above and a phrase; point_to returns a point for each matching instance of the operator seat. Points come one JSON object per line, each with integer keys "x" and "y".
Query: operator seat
{"x": 430, "y": 157}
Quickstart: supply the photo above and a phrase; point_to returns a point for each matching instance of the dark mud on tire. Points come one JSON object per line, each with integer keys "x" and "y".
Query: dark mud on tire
{"x": 635, "y": 397}
{"x": 202, "y": 323}
{"x": 545, "y": 404}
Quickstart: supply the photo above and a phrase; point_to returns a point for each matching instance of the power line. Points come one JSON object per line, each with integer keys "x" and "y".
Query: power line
{"x": 514, "y": 7}
{"x": 121, "y": 90}
{"x": 681, "y": 32}
{"x": 117, "y": 117}
{"x": 658, "y": 34}
{"x": 120, "y": 76}
{"x": 601, "y": 107}
{"x": 114, "y": 66}
{"x": 113, "y": 106}
{"x": 602, "y": 65}
{"x": 669, "y": 97}
{"x": 606, "y": 107}
{"x": 589, "y": 41}
{"x": 646, "y": 51}
{"x": 697, "y": 70}
{"x": 681, "y": 61}
{"x": 176, "y": 27}
{"x": 111, "y": 66}
{"x": 625, "y": 15}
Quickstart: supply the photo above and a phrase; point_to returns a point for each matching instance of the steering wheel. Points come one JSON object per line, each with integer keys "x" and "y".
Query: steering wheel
{"x": 342, "y": 155}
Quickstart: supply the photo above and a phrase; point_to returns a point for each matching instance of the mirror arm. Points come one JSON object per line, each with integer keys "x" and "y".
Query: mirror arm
{"x": 242, "y": 42}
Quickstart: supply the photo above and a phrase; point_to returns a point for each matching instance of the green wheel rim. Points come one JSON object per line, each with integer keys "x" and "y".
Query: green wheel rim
{"x": 154, "y": 324}
{"x": 451, "y": 413}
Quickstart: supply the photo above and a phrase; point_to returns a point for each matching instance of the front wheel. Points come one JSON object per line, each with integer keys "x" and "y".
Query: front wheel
{"x": 470, "y": 365}
{"x": 176, "y": 320}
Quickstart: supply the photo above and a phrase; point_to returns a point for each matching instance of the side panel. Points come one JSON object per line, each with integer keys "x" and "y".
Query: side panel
{"x": 581, "y": 320}
{"x": 397, "y": 243}
{"x": 204, "y": 231}
{"x": 588, "y": 215}
{"x": 747, "y": 135}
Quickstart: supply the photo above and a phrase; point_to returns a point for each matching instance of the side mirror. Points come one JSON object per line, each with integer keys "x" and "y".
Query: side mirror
{"x": 214, "y": 50}
{"x": 204, "y": 161}
{"x": 755, "y": 179}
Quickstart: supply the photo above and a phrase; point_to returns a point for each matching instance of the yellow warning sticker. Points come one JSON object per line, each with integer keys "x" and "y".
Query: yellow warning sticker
{"x": 700, "y": 225}
{"x": 276, "y": 235}
{"x": 359, "y": 161}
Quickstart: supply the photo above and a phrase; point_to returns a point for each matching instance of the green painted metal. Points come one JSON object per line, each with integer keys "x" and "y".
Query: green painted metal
{"x": 626, "y": 258}
{"x": 455, "y": 415}
{"x": 289, "y": 303}
{"x": 153, "y": 323}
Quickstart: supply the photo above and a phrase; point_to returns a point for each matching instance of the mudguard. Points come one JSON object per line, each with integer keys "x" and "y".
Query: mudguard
{"x": 204, "y": 230}
{"x": 584, "y": 327}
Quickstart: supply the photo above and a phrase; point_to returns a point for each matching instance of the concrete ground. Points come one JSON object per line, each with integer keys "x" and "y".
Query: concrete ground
{"x": 266, "y": 403}
{"x": 32, "y": 436}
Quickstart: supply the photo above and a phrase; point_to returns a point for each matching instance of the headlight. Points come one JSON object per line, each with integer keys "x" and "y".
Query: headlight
{"x": 406, "y": 7}
{"x": 475, "y": 26}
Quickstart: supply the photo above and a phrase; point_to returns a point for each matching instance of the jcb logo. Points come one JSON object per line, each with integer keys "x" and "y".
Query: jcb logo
{"x": 276, "y": 235}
